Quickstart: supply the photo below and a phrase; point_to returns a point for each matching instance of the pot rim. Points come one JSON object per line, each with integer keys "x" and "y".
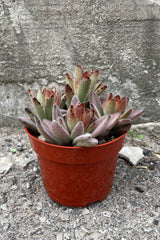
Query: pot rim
{"x": 71, "y": 147}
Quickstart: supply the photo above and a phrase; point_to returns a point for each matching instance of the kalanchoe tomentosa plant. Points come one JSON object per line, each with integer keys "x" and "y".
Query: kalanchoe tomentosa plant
{"x": 82, "y": 84}
{"x": 67, "y": 120}
{"x": 114, "y": 105}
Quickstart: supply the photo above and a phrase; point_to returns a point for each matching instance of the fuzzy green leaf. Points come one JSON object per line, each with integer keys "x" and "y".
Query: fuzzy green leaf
{"x": 87, "y": 118}
{"x": 69, "y": 95}
{"x": 61, "y": 121}
{"x": 101, "y": 128}
{"x": 82, "y": 137}
{"x": 121, "y": 130}
{"x": 96, "y": 102}
{"x": 78, "y": 111}
{"x": 29, "y": 124}
{"x": 121, "y": 104}
{"x": 94, "y": 77}
{"x": 135, "y": 114}
{"x": 48, "y": 107}
{"x": 60, "y": 133}
{"x": 88, "y": 143}
{"x": 77, "y": 77}
{"x": 126, "y": 114}
{"x": 30, "y": 113}
{"x": 69, "y": 81}
{"x": 45, "y": 132}
{"x": 90, "y": 128}
{"x": 70, "y": 118}
{"x": 100, "y": 90}
{"x": 47, "y": 124}
{"x": 97, "y": 113}
{"x": 39, "y": 109}
{"x": 109, "y": 107}
{"x": 77, "y": 130}
{"x": 98, "y": 85}
{"x": 63, "y": 102}
{"x": 123, "y": 122}
{"x": 57, "y": 98}
{"x": 56, "y": 112}
{"x": 113, "y": 120}
{"x": 40, "y": 97}
{"x": 32, "y": 94}
{"x": 75, "y": 101}
{"x": 83, "y": 89}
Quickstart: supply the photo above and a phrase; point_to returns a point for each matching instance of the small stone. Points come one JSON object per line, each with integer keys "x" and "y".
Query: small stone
{"x": 156, "y": 222}
{"x": 85, "y": 211}
{"x": 22, "y": 194}
{"x": 9, "y": 144}
{"x": 42, "y": 219}
{"x": 107, "y": 214}
{"x": 39, "y": 206}
{"x": 21, "y": 148}
{"x": 4, "y": 207}
{"x": 14, "y": 180}
{"x": 103, "y": 231}
{"x": 43, "y": 81}
{"x": 35, "y": 169}
{"x": 5, "y": 199}
{"x": 132, "y": 154}
{"x": 59, "y": 236}
{"x": 67, "y": 236}
{"x": 95, "y": 236}
{"x": 151, "y": 167}
{"x": 22, "y": 161}
{"x": 8, "y": 139}
{"x": 6, "y": 227}
{"x": 146, "y": 71}
{"x": 80, "y": 234}
{"x": 74, "y": 225}
{"x": 20, "y": 139}
{"x": 139, "y": 189}
{"x": 27, "y": 185}
{"x": 64, "y": 217}
{"x": 146, "y": 152}
{"x": 5, "y": 164}
{"x": 38, "y": 231}
{"x": 14, "y": 187}
{"x": 148, "y": 230}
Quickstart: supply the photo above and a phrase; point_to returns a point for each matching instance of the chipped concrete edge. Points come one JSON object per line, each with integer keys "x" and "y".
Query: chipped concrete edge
{"x": 146, "y": 125}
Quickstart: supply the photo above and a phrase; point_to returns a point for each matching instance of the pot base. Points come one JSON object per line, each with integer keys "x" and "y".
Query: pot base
{"x": 77, "y": 176}
{"x": 77, "y": 185}
{"x": 76, "y": 204}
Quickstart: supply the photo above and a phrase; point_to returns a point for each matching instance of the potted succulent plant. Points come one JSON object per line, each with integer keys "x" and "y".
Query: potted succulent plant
{"x": 82, "y": 135}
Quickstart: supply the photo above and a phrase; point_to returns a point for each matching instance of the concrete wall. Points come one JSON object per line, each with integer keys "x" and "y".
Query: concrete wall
{"x": 43, "y": 39}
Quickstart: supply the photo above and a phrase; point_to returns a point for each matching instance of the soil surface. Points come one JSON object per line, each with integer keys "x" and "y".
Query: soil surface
{"x": 130, "y": 212}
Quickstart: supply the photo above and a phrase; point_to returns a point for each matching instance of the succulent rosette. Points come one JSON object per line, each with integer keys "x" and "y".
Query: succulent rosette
{"x": 67, "y": 120}
{"x": 112, "y": 105}
{"x": 82, "y": 84}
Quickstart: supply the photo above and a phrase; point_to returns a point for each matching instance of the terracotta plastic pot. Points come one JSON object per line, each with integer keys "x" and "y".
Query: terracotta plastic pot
{"x": 77, "y": 176}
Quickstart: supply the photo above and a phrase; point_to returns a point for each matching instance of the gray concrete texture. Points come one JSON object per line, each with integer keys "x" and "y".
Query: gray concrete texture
{"x": 41, "y": 40}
